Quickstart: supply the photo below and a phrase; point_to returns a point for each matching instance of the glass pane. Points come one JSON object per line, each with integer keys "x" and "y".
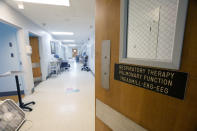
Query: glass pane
{"x": 151, "y": 29}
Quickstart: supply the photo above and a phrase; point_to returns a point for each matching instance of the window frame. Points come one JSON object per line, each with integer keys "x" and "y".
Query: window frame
{"x": 178, "y": 39}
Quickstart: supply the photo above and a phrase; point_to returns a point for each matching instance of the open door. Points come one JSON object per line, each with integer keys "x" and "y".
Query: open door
{"x": 35, "y": 58}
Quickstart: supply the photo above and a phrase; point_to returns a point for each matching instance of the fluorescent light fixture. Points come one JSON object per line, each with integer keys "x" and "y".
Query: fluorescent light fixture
{"x": 68, "y": 41}
{"x": 62, "y": 33}
{"x": 20, "y": 5}
{"x": 48, "y": 2}
{"x": 72, "y": 45}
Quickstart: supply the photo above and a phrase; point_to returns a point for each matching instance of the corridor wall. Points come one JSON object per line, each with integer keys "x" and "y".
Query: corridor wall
{"x": 68, "y": 52}
{"x": 9, "y": 47}
{"x": 11, "y": 16}
{"x": 89, "y": 48}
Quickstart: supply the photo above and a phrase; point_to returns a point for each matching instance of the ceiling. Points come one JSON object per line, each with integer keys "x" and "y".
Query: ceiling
{"x": 77, "y": 18}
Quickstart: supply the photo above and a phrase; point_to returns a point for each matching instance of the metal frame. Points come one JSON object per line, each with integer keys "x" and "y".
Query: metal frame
{"x": 16, "y": 106}
{"x": 178, "y": 41}
{"x": 105, "y": 64}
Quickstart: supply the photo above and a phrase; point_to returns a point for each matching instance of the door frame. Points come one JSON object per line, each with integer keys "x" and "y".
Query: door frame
{"x": 39, "y": 47}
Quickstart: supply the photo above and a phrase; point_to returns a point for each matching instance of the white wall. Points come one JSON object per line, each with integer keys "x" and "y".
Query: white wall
{"x": 11, "y": 16}
{"x": 58, "y": 46}
{"x": 68, "y": 52}
{"x": 89, "y": 48}
{"x": 63, "y": 51}
{"x": 8, "y": 63}
{"x": 45, "y": 54}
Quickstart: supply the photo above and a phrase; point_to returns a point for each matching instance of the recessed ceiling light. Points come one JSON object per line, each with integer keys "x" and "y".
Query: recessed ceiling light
{"x": 20, "y": 5}
{"x": 68, "y": 41}
{"x": 48, "y": 2}
{"x": 62, "y": 33}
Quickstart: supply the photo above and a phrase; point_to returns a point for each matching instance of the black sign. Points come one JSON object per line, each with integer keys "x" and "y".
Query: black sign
{"x": 166, "y": 82}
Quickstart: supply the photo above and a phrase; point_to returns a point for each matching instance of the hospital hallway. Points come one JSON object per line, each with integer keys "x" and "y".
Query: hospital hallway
{"x": 98, "y": 65}
{"x": 63, "y": 103}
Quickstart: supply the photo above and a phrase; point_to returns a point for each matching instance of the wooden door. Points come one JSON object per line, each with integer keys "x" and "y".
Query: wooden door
{"x": 153, "y": 111}
{"x": 35, "y": 58}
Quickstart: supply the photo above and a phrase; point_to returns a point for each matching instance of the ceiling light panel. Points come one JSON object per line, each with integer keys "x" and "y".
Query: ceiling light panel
{"x": 48, "y": 2}
{"x": 62, "y": 33}
{"x": 20, "y": 5}
{"x": 73, "y": 45}
{"x": 68, "y": 41}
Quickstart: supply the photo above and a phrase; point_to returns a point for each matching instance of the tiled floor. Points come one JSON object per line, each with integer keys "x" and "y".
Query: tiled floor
{"x": 63, "y": 103}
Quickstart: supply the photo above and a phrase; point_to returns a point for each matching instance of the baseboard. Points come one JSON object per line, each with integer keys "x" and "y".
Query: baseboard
{"x": 10, "y": 93}
{"x": 15, "y": 98}
{"x": 47, "y": 77}
{"x": 32, "y": 90}
{"x": 92, "y": 72}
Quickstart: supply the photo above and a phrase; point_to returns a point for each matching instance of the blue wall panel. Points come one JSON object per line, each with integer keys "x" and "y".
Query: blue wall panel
{"x": 8, "y": 63}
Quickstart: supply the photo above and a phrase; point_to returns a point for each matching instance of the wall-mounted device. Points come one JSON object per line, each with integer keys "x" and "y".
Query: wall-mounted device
{"x": 28, "y": 49}
{"x": 12, "y": 55}
{"x": 10, "y": 44}
{"x": 105, "y": 64}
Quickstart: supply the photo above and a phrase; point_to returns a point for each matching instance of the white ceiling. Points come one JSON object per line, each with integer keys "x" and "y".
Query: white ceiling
{"x": 77, "y": 18}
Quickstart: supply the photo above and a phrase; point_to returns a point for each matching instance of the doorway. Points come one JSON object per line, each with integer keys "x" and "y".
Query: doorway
{"x": 35, "y": 59}
{"x": 74, "y": 53}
